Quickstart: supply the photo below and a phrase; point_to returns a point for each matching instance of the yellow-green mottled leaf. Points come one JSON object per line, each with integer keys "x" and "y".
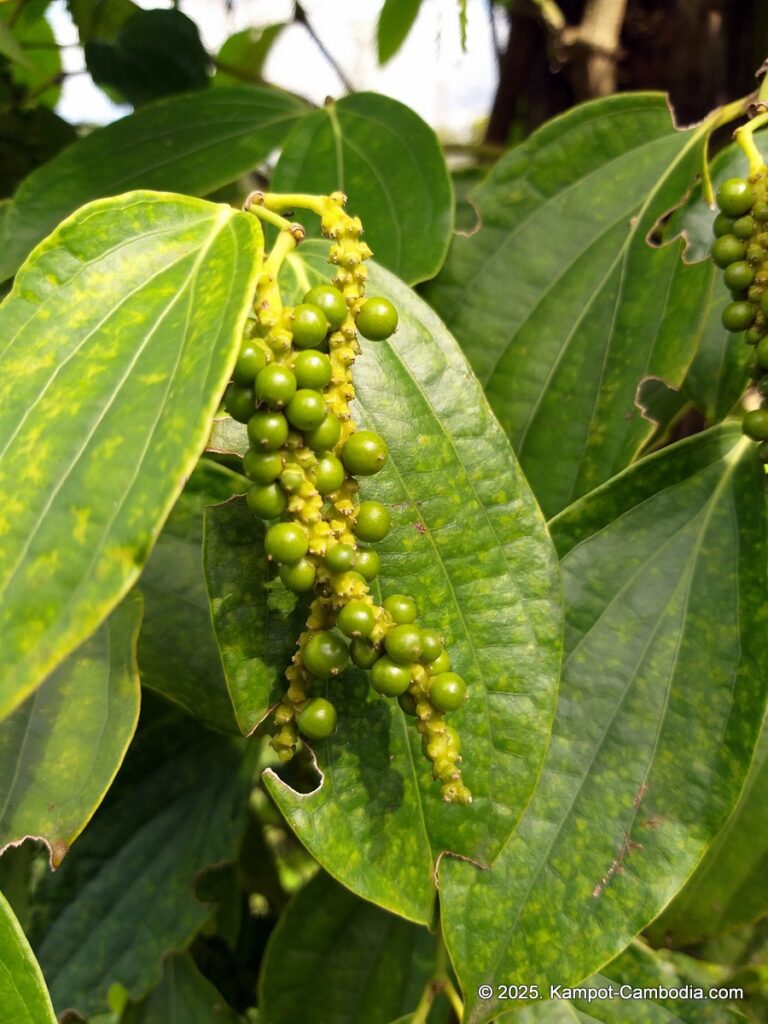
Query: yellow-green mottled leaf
{"x": 662, "y": 695}
{"x": 469, "y": 543}
{"x": 115, "y": 346}
{"x": 60, "y": 749}
{"x": 24, "y": 998}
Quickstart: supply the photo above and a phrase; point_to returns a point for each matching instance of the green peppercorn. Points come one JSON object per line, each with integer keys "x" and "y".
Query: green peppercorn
{"x": 377, "y": 319}
{"x": 761, "y": 353}
{"x": 738, "y": 316}
{"x": 239, "y": 402}
{"x": 309, "y": 326}
{"x": 330, "y": 300}
{"x": 292, "y": 478}
{"x": 275, "y": 385}
{"x": 728, "y": 249}
{"x": 755, "y": 424}
{"x": 739, "y": 276}
{"x": 368, "y": 564}
{"x": 356, "y": 618}
{"x": 389, "y": 678}
{"x": 447, "y": 691}
{"x": 326, "y": 436}
{"x": 744, "y": 227}
{"x": 306, "y": 410}
{"x": 431, "y": 645}
{"x": 266, "y": 500}
{"x": 401, "y": 608}
{"x": 403, "y": 643}
{"x": 286, "y": 542}
{"x": 312, "y": 369}
{"x": 722, "y": 225}
{"x": 364, "y": 453}
{"x": 340, "y": 557}
{"x": 325, "y": 654}
{"x": 755, "y": 253}
{"x": 760, "y": 212}
{"x": 262, "y": 467}
{"x": 317, "y": 720}
{"x": 441, "y": 664}
{"x": 250, "y": 361}
{"x": 329, "y": 474}
{"x": 735, "y": 197}
{"x": 407, "y": 703}
{"x": 373, "y": 521}
{"x": 755, "y": 334}
{"x": 363, "y": 653}
{"x": 299, "y": 577}
{"x": 267, "y": 431}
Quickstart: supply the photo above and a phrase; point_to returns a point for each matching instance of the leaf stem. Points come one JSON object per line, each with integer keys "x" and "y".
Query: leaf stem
{"x": 720, "y": 117}
{"x": 255, "y": 204}
{"x": 268, "y": 291}
{"x": 744, "y": 137}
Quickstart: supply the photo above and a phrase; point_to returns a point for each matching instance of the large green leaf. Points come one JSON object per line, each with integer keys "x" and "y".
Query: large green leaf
{"x": 663, "y": 691}
{"x": 242, "y": 56}
{"x": 559, "y": 302}
{"x": 184, "y": 996}
{"x": 730, "y": 886}
{"x": 469, "y": 543}
{"x": 176, "y": 606}
{"x": 390, "y": 164}
{"x": 177, "y": 806}
{"x": 395, "y": 22}
{"x": 256, "y": 630}
{"x": 60, "y": 750}
{"x": 24, "y": 998}
{"x": 193, "y": 144}
{"x": 334, "y": 957}
{"x": 116, "y": 343}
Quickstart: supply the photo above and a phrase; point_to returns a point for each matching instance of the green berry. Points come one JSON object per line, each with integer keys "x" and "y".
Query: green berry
{"x": 441, "y": 664}
{"x": 738, "y": 316}
{"x": 330, "y": 300}
{"x": 325, "y": 654}
{"x": 340, "y": 557}
{"x": 363, "y": 653}
{"x": 447, "y": 691}
{"x": 317, "y": 720}
{"x": 755, "y": 252}
{"x": 728, "y": 249}
{"x": 326, "y": 436}
{"x": 368, "y": 564}
{"x": 292, "y": 478}
{"x": 312, "y": 369}
{"x": 744, "y": 227}
{"x": 755, "y": 424}
{"x": 735, "y": 197}
{"x": 298, "y": 577}
{"x": 755, "y": 334}
{"x": 267, "y": 431}
{"x": 761, "y": 353}
{"x": 373, "y": 521}
{"x": 286, "y": 542}
{"x": 403, "y": 643}
{"x": 431, "y": 645}
{"x": 401, "y": 608}
{"x": 309, "y": 326}
{"x": 364, "y": 453}
{"x": 722, "y": 225}
{"x": 239, "y": 402}
{"x": 377, "y": 319}
{"x": 306, "y": 410}
{"x": 739, "y": 276}
{"x": 275, "y": 385}
{"x": 407, "y": 703}
{"x": 262, "y": 467}
{"x": 266, "y": 500}
{"x": 251, "y": 359}
{"x": 389, "y": 678}
{"x": 760, "y": 212}
{"x": 356, "y": 618}
{"x": 329, "y": 474}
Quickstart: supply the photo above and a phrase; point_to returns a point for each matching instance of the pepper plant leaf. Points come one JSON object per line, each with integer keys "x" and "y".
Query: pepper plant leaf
{"x": 23, "y": 996}
{"x": 662, "y": 695}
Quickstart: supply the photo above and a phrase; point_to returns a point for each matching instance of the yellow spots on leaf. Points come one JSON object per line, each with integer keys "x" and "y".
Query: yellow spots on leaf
{"x": 80, "y": 529}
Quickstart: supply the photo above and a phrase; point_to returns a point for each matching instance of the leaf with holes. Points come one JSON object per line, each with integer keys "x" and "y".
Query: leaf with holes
{"x": 663, "y": 690}
{"x": 559, "y": 302}
{"x": 469, "y": 543}
{"x": 116, "y": 344}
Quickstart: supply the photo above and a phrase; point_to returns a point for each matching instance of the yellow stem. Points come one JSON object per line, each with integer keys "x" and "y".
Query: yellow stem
{"x": 454, "y": 997}
{"x": 268, "y": 290}
{"x": 744, "y": 137}
{"x": 719, "y": 118}
{"x": 289, "y": 201}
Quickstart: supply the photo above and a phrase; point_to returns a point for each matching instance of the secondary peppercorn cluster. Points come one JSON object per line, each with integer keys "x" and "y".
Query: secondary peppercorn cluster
{"x": 292, "y": 385}
{"x": 740, "y": 249}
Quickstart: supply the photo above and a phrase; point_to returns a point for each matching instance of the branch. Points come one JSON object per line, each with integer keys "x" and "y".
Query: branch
{"x": 300, "y": 17}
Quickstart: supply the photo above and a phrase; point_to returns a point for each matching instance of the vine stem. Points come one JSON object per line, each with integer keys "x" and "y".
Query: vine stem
{"x": 439, "y": 982}
{"x": 744, "y": 137}
{"x": 291, "y": 200}
{"x": 719, "y": 118}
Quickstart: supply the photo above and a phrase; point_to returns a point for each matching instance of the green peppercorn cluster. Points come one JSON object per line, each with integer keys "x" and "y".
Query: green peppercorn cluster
{"x": 740, "y": 249}
{"x": 292, "y": 386}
